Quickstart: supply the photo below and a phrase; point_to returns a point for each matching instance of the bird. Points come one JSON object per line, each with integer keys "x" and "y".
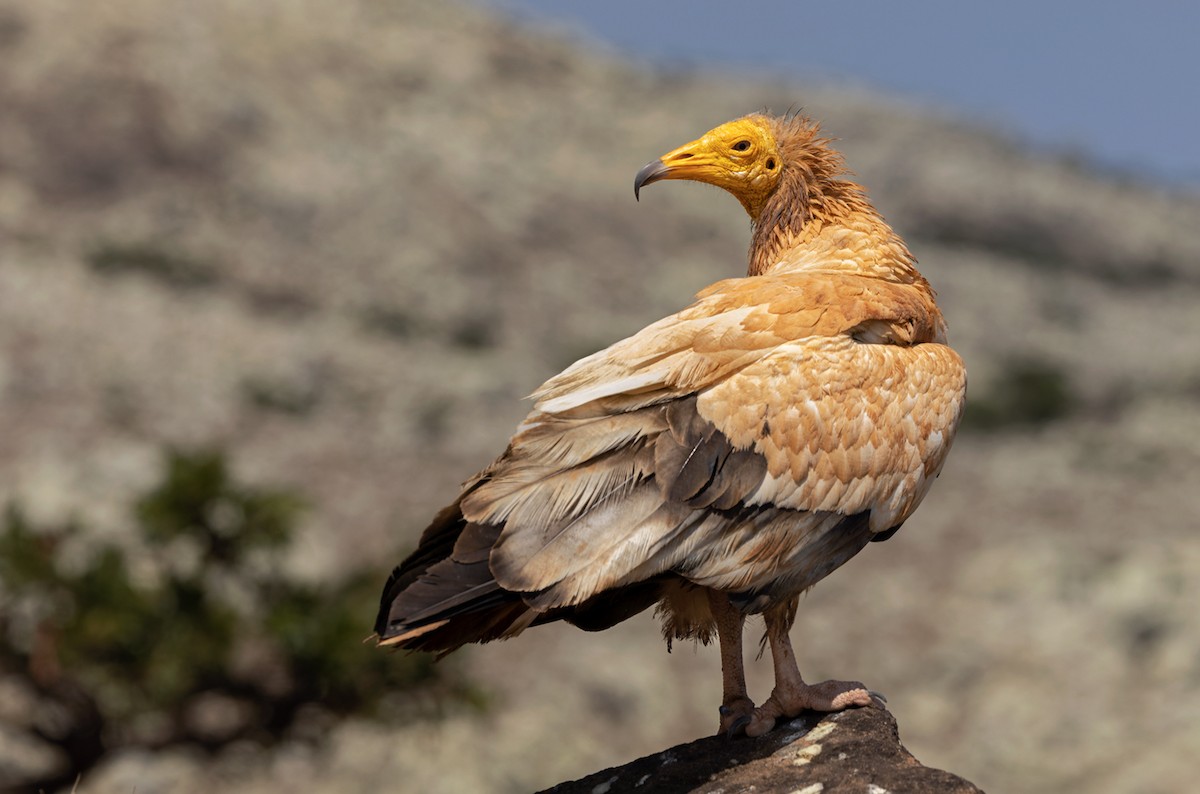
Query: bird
{"x": 721, "y": 461}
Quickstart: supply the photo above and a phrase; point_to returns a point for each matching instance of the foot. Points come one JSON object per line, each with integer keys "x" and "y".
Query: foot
{"x": 789, "y": 701}
{"x": 735, "y": 715}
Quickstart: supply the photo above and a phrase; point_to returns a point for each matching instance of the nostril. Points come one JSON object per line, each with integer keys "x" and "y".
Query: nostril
{"x": 683, "y": 156}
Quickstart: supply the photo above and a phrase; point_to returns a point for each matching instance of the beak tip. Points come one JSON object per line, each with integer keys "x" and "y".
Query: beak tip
{"x": 651, "y": 172}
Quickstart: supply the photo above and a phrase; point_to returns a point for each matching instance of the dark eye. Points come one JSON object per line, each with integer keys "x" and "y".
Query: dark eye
{"x": 741, "y": 146}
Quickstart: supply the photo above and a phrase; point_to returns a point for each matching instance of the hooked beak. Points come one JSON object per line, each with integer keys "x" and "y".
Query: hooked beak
{"x": 693, "y": 160}
{"x": 651, "y": 172}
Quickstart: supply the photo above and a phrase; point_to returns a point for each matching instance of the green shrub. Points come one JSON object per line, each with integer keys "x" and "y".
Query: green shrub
{"x": 145, "y": 259}
{"x": 1027, "y": 393}
{"x": 137, "y": 640}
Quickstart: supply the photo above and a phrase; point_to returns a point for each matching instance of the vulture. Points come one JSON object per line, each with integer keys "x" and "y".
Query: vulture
{"x": 723, "y": 460}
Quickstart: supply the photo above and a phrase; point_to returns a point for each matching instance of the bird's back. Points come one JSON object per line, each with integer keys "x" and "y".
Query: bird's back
{"x": 750, "y": 443}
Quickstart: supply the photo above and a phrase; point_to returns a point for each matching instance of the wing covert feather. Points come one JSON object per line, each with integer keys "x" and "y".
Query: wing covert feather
{"x": 725, "y": 440}
{"x": 732, "y": 324}
{"x": 844, "y": 426}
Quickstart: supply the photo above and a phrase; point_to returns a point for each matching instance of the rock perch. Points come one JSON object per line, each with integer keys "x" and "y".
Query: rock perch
{"x": 855, "y": 751}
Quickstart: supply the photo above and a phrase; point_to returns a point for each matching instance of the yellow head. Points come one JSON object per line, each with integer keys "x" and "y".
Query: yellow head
{"x": 741, "y": 156}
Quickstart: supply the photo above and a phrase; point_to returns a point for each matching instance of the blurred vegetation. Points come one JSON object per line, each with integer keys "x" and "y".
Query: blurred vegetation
{"x": 296, "y": 396}
{"x": 198, "y": 637}
{"x": 474, "y": 333}
{"x": 174, "y": 270}
{"x": 1028, "y": 392}
{"x": 388, "y": 321}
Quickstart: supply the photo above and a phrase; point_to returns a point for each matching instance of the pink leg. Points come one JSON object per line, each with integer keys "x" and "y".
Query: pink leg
{"x": 736, "y": 706}
{"x": 791, "y": 695}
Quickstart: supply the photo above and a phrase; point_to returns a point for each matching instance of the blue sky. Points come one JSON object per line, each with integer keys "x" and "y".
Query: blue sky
{"x": 1116, "y": 82}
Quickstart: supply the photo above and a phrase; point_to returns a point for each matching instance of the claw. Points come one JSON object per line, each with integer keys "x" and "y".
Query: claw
{"x": 738, "y": 726}
{"x": 877, "y": 695}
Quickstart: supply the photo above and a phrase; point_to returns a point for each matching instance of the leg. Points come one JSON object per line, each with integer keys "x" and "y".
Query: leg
{"x": 736, "y": 705}
{"x": 791, "y": 695}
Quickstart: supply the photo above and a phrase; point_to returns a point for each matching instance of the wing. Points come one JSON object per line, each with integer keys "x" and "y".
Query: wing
{"x": 725, "y": 443}
{"x": 732, "y": 324}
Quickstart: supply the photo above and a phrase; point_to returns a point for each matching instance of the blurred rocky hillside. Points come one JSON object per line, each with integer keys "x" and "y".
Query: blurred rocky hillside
{"x": 341, "y": 240}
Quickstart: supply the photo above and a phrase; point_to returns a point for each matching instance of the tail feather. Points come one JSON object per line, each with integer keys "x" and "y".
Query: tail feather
{"x": 444, "y": 595}
{"x": 437, "y": 543}
{"x": 433, "y": 603}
